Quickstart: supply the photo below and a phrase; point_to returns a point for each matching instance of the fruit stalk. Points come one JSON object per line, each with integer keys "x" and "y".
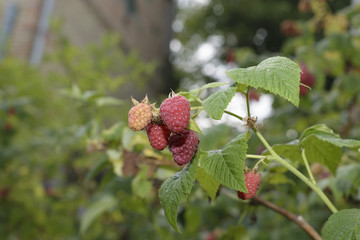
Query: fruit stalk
{"x": 296, "y": 172}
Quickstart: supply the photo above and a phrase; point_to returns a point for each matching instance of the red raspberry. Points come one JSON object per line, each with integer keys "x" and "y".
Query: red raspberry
{"x": 252, "y": 182}
{"x": 306, "y": 78}
{"x": 158, "y": 135}
{"x": 139, "y": 116}
{"x": 253, "y": 95}
{"x": 183, "y": 146}
{"x": 175, "y": 112}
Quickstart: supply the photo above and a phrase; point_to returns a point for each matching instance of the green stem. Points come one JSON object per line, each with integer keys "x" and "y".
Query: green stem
{"x": 259, "y": 156}
{"x": 296, "y": 172}
{"x": 242, "y": 217}
{"x": 195, "y": 115}
{"x": 233, "y": 114}
{"x": 254, "y": 156}
{"x": 247, "y": 102}
{"x": 261, "y": 161}
{"x": 198, "y": 107}
{"x": 308, "y": 167}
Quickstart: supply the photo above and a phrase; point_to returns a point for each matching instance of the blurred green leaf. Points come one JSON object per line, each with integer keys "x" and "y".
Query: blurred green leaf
{"x": 114, "y": 133}
{"x": 99, "y": 206}
{"x": 235, "y": 233}
{"x": 108, "y": 101}
{"x": 322, "y": 145}
{"x": 209, "y": 85}
{"x": 95, "y": 169}
{"x": 141, "y": 186}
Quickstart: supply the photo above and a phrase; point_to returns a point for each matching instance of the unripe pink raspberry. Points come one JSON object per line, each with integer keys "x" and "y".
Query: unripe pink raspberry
{"x": 183, "y": 146}
{"x": 158, "y": 135}
{"x": 252, "y": 182}
{"x": 140, "y": 115}
{"x": 175, "y": 113}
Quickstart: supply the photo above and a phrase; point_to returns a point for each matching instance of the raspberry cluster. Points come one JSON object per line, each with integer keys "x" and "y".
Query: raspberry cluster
{"x": 168, "y": 127}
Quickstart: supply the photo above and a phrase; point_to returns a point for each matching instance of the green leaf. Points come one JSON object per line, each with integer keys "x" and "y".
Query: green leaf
{"x": 235, "y": 233}
{"x": 209, "y": 85}
{"x": 193, "y": 220}
{"x": 241, "y": 88}
{"x": 322, "y": 145}
{"x": 190, "y": 96}
{"x": 290, "y": 151}
{"x": 193, "y": 126}
{"x": 226, "y": 166}
{"x": 347, "y": 179}
{"x": 343, "y": 225}
{"x": 140, "y": 185}
{"x": 176, "y": 189}
{"x": 104, "y": 203}
{"x": 114, "y": 133}
{"x": 207, "y": 182}
{"x": 323, "y": 152}
{"x": 216, "y": 103}
{"x": 316, "y": 129}
{"x": 194, "y": 93}
{"x": 95, "y": 169}
{"x": 279, "y": 75}
{"x": 215, "y": 137}
{"x": 106, "y": 101}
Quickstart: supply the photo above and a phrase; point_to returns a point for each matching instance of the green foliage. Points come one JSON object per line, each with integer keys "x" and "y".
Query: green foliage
{"x": 226, "y": 166}
{"x": 193, "y": 126}
{"x": 99, "y": 206}
{"x": 48, "y": 174}
{"x": 207, "y": 182}
{"x": 326, "y": 134}
{"x": 141, "y": 186}
{"x": 235, "y": 233}
{"x": 176, "y": 189}
{"x": 193, "y": 94}
{"x": 216, "y": 103}
{"x": 344, "y": 224}
{"x": 322, "y": 145}
{"x": 290, "y": 151}
{"x": 278, "y": 75}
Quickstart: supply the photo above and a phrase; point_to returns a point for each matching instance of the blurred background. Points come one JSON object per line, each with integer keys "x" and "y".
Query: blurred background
{"x": 70, "y": 168}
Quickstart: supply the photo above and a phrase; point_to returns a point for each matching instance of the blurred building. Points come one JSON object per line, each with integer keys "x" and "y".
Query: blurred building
{"x": 144, "y": 25}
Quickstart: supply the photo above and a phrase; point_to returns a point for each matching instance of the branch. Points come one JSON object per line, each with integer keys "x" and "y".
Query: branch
{"x": 292, "y": 217}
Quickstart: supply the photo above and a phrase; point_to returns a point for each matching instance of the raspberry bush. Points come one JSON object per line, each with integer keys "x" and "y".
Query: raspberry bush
{"x": 224, "y": 171}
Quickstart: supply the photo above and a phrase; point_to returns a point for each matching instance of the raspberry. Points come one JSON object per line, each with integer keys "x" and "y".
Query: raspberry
{"x": 252, "y": 182}
{"x": 183, "y": 146}
{"x": 175, "y": 112}
{"x": 307, "y": 79}
{"x": 158, "y": 135}
{"x": 253, "y": 95}
{"x": 140, "y": 114}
